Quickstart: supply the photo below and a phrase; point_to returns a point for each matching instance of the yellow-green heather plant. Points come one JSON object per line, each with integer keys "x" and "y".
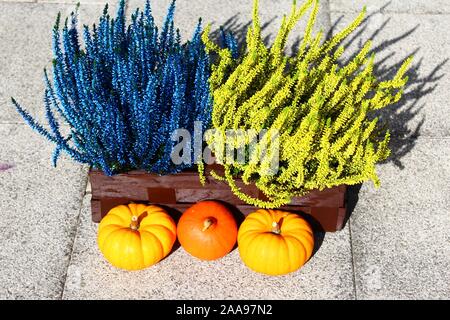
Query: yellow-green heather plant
{"x": 322, "y": 111}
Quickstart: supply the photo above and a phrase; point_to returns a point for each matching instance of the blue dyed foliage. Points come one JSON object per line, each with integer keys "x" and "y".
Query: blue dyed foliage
{"x": 125, "y": 91}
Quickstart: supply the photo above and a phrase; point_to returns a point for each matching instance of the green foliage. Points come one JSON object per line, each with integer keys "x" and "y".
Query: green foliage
{"x": 322, "y": 111}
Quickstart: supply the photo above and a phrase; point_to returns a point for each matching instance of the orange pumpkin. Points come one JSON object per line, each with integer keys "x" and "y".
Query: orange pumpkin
{"x": 136, "y": 236}
{"x": 275, "y": 242}
{"x": 207, "y": 230}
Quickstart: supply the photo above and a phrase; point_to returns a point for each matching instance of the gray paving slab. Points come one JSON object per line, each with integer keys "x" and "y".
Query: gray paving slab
{"x": 39, "y": 208}
{"x": 395, "y": 37}
{"x": 25, "y": 33}
{"x": 18, "y": 0}
{"x": 405, "y": 6}
{"x": 328, "y": 275}
{"x": 400, "y": 232}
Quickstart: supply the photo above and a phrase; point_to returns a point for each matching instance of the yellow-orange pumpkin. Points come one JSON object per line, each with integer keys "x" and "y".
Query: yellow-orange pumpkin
{"x": 207, "y": 230}
{"x": 275, "y": 242}
{"x": 136, "y": 236}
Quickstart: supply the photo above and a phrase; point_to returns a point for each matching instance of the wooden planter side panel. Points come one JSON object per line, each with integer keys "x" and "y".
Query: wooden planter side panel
{"x": 181, "y": 190}
{"x": 177, "y": 188}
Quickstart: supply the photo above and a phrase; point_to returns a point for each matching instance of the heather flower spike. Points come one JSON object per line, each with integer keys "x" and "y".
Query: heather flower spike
{"x": 125, "y": 91}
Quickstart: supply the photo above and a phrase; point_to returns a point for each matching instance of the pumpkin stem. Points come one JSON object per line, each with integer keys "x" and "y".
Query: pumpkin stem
{"x": 207, "y": 223}
{"x": 134, "y": 225}
{"x": 276, "y": 228}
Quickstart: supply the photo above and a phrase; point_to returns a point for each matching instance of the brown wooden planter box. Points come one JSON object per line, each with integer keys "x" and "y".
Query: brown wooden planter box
{"x": 179, "y": 191}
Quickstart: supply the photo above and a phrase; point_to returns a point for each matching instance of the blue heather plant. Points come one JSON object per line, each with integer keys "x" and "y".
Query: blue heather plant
{"x": 125, "y": 91}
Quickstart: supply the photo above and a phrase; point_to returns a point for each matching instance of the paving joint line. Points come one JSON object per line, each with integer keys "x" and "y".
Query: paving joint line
{"x": 424, "y": 13}
{"x": 77, "y": 227}
{"x": 23, "y": 2}
{"x": 355, "y": 291}
{"x": 110, "y": 2}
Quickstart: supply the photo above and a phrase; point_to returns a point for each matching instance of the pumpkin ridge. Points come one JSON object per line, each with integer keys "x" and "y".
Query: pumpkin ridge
{"x": 128, "y": 237}
{"x": 152, "y": 225}
{"x": 158, "y": 219}
{"x": 296, "y": 223}
{"x": 110, "y": 232}
{"x": 113, "y": 216}
{"x": 300, "y": 230}
{"x": 110, "y": 242}
{"x": 301, "y": 227}
{"x": 259, "y": 220}
{"x": 302, "y": 238}
{"x": 159, "y": 211}
{"x": 261, "y": 253}
{"x": 298, "y": 250}
{"x": 156, "y": 214}
{"x": 142, "y": 257}
{"x": 152, "y": 234}
{"x": 295, "y": 218}
{"x": 287, "y": 257}
{"x": 161, "y": 224}
{"x": 124, "y": 220}
{"x": 249, "y": 245}
{"x": 301, "y": 234}
{"x": 243, "y": 236}
{"x": 273, "y": 215}
{"x": 255, "y": 220}
{"x": 117, "y": 259}
{"x": 168, "y": 237}
{"x": 107, "y": 217}
{"x": 166, "y": 229}
{"x": 112, "y": 225}
{"x": 264, "y": 216}
{"x": 138, "y": 208}
{"x": 119, "y": 211}
{"x": 305, "y": 256}
{"x": 158, "y": 241}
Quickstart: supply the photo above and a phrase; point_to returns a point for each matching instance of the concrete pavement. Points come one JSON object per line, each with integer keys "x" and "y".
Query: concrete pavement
{"x": 395, "y": 245}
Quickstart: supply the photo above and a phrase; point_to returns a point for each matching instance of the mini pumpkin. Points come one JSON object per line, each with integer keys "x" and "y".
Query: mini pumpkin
{"x": 207, "y": 230}
{"x": 136, "y": 236}
{"x": 275, "y": 242}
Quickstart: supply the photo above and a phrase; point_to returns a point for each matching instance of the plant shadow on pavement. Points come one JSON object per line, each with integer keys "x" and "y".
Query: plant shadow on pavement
{"x": 404, "y": 119}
